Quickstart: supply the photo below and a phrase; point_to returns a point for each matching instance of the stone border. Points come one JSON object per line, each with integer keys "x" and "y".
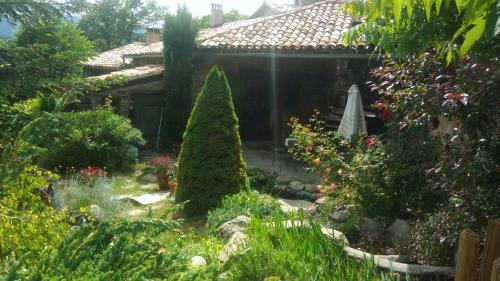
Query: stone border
{"x": 411, "y": 269}
{"x": 384, "y": 261}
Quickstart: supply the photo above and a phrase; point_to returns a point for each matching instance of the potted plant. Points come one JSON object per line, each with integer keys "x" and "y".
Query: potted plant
{"x": 164, "y": 173}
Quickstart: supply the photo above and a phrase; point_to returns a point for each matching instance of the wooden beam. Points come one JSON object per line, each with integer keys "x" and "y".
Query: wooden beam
{"x": 491, "y": 249}
{"x": 468, "y": 256}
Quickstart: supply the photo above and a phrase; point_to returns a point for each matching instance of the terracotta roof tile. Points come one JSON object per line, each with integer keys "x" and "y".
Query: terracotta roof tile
{"x": 319, "y": 26}
{"x": 134, "y": 73}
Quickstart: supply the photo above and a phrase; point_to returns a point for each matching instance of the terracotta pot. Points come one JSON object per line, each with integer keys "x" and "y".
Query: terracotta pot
{"x": 163, "y": 183}
{"x": 171, "y": 187}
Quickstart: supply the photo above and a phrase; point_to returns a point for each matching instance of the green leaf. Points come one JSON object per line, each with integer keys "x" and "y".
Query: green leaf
{"x": 428, "y": 8}
{"x": 398, "y": 7}
{"x": 473, "y": 35}
{"x": 438, "y": 6}
{"x": 409, "y": 8}
{"x": 459, "y": 4}
{"x": 449, "y": 56}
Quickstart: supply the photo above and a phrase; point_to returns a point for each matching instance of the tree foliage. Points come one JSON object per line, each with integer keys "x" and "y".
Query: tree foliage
{"x": 114, "y": 23}
{"x": 402, "y": 27}
{"x": 24, "y": 10}
{"x": 179, "y": 42}
{"x": 211, "y": 163}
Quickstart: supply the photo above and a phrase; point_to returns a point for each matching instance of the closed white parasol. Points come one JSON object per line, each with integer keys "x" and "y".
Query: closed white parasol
{"x": 353, "y": 120}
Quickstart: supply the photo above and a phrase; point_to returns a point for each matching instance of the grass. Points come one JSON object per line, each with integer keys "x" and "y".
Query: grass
{"x": 277, "y": 253}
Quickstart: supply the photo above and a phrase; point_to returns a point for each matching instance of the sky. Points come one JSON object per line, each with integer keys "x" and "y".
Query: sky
{"x": 202, "y": 7}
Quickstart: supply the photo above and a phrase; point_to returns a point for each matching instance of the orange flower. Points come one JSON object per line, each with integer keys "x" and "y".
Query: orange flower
{"x": 319, "y": 188}
{"x": 333, "y": 187}
{"x": 328, "y": 170}
{"x": 341, "y": 172}
{"x": 317, "y": 161}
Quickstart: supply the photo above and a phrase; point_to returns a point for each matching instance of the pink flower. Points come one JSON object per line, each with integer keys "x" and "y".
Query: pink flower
{"x": 370, "y": 142}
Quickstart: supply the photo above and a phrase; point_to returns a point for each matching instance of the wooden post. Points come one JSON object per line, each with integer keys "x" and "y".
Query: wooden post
{"x": 491, "y": 249}
{"x": 468, "y": 256}
{"x": 495, "y": 270}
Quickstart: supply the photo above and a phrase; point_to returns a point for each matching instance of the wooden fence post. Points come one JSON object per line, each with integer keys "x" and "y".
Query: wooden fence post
{"x": 495, "y": 270}
{"x": 468, "y": 256}
{"x": 491, "y": 249}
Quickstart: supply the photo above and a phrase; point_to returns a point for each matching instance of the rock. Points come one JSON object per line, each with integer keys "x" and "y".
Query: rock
{"x": 96, "y": 212}
{"x": 399, "y": 231}
{"x": 149, "y": 178}
{"x": 334, "y": 234}
{"x": 321, "y": 201}
{"x": 339, "y": 216}
{"x": 289, "y": 205}
{"x": 149, "y": 198}
{"x": 198, "y": 261}
{"x": 316, "y": 196}
{"x": 310, "y": 188}
{"x": 369, "y": 227}
{"x": 232, "y": 246}
{"x": 229, "y": 228}
{"x": 390, "y": 251}
{"x": 296, "y": 185}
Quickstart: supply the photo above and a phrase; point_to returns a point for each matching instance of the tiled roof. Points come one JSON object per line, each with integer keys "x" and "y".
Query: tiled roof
{"x": 316, "y": 26}
{"x": 272, "y": 9}
{"x": 136, "y": 73}
{"x": 113, "y": 59}
{"x": 282, "y": 8}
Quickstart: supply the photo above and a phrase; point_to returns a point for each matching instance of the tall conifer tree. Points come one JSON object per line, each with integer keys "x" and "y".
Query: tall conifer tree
{"x": 211, "y": 163}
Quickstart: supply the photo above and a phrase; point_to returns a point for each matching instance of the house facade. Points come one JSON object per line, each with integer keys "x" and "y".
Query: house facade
{"x": 284, "y": 63}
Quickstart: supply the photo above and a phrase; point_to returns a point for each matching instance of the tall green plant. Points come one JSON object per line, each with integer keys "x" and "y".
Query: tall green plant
{"x": 401, "y": 28}
{"x": 211, "y": 163}
{"x": 179, "y": 42}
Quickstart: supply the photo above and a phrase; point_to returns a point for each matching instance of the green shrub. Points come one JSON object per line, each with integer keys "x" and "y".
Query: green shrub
{"x": 263, "y": 181}
{"x": 246, "y": 203}
{"x": 277, "y": 253}
{"x": 76, "y": 194}
{"x": 91, "y": 138}
{"x": 111, "y": 251}
{"x": 27, "y": 223}
{"x": 211, "y": 163}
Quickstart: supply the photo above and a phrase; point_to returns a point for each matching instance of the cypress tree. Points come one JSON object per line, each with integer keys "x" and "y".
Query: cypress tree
{"x": 179, "y": 42}
{"x": 211, "y": 163}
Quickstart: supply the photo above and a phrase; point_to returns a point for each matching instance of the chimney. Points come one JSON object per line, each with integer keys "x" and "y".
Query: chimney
{"x": 153, "y": 35}
{"x": 216, "y": 15}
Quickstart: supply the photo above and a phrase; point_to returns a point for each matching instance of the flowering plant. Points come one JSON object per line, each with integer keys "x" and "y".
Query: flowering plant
{"x": 161, "y": 167}
{"x": 90, "y": 173}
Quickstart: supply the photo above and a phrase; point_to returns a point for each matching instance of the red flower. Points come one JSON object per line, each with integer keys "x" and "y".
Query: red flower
{"x": 89, "y": 173}
{"x": 384, "y": 114}
{"x": 370, "y": 142}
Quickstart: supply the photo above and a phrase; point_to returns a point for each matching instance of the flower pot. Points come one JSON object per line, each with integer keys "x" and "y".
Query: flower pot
{"x": 163, "y": 183}
{"x": 171, "y": 187}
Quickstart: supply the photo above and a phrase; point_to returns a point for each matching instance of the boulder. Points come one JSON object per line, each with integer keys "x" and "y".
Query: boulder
{"x": 289, "y": 205}
{"x": 370, "y": 227}
{"x": 236, "y": 240}
{"x": 149, "y": 178}
{"x": 96, "y": 212}
{"x": 198, "y": 261}
{"x": 310, "y": 188}
{"x": 321, "y": 201}
{"x": 316, "y": 196}
{"x": 339, "y": 216}
{"x": 296, "y": 185}
{"x": 399, "y": 231}
{"x": 239, "y": 224}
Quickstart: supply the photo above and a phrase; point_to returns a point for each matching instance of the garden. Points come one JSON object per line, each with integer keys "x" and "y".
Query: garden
{"x": 79, "y": 202}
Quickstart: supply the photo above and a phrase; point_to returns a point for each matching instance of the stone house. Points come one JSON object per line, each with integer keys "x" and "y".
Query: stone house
{"x": 279, "y": 62}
